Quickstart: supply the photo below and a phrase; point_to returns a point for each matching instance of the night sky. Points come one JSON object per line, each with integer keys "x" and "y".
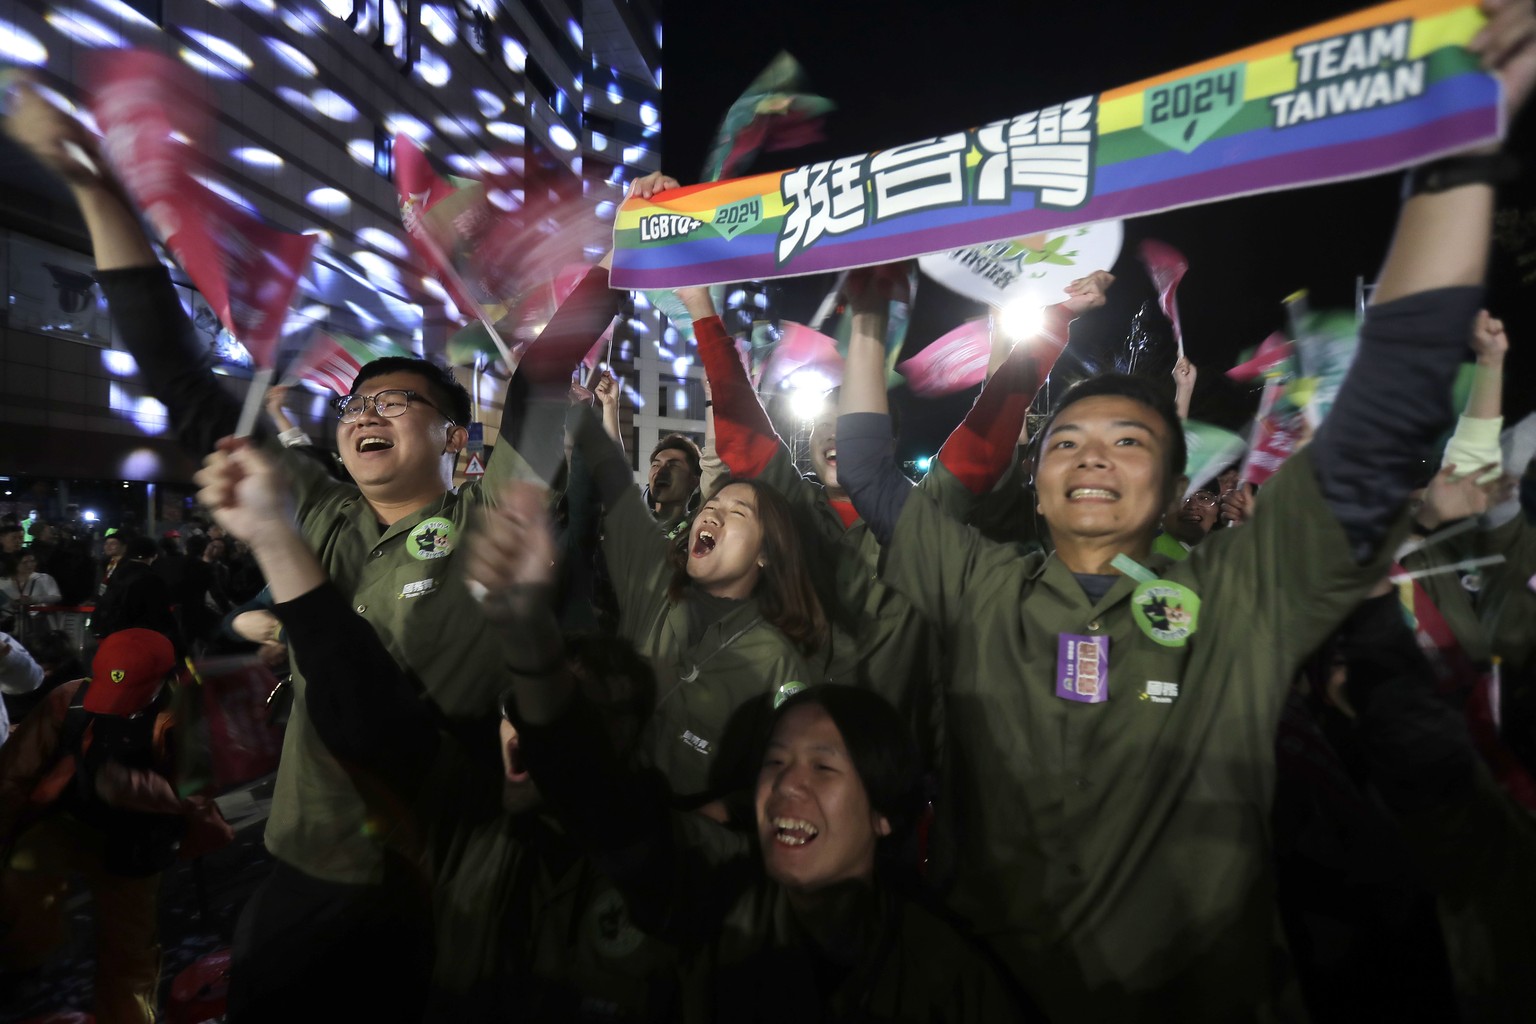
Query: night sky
{"x": 902, "y": 70}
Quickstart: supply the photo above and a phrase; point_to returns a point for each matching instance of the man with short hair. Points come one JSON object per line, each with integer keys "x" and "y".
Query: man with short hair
{"x": 136, "y": 596}
{"x": 341, "y": 893}
{"x": 1114, "y": 711}
{"x": 673, "y": 483}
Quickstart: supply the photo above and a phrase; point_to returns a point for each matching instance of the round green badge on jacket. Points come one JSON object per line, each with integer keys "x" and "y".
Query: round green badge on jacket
{"x": 431, "y": 538}
{"x": 1167, "y": 612}
{"x": 785, "y": 692}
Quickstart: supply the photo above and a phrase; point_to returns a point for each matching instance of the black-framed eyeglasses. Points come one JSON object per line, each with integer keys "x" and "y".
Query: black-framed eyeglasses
{"x": 388, "y": 404}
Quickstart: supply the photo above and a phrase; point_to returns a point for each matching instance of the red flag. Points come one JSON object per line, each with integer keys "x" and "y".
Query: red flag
{"x": 1276, "y": 349}
{"x": 1166, "y": 266}
{"x": 954, "y": 362}
{"x": 246, "y": 270}
{"x": 502, "y": 256}
{"x": 419, "y": 188}
{"x": 333, "y": 360}
{"x": 800, "y": 348}
{"x": 1277, "y": 432}
{"x": 243, "y": 744}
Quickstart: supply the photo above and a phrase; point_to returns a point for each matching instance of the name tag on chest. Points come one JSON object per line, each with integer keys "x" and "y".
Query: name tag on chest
{"x": 1082, "y": 668}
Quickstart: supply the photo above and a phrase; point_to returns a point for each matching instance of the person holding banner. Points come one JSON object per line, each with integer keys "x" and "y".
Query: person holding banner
{"x": 878, "y": 641}
{"x": 1115, "y": 713}
{"x": 389, "y": 539}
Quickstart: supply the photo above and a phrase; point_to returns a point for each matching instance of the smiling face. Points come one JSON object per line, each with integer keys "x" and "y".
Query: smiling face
{"x": 824, "y": 449}
{"x": 1103, "y": 472}
{"x": 725, "y": 546}
{"x": 1194, "y": 519}
{"x": 671, "y": 479}
{"x": 398, "y": 458}
{"x": 814, "y": 821}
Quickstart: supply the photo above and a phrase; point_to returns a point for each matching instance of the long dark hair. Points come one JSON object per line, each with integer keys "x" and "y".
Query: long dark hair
{"x": 783, "y": 591}
{"x": 885, "y": 755}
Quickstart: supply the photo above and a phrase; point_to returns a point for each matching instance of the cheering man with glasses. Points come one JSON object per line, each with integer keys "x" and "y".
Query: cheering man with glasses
{"x": 345, "y": 906}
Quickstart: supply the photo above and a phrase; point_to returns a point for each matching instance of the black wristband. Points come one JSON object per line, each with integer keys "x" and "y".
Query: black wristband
{"x": 1455, "y": 171}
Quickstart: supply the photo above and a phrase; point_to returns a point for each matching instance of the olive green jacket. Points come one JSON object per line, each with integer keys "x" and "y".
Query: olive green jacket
{"x": 1115, "y": 854}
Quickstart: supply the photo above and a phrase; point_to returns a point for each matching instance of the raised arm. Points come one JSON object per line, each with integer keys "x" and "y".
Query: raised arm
{"x": 981, "y": 449}
{"x": 359, "y": 700}
{"x": 1396, "y": 401}
{"x": 175, "y": 365}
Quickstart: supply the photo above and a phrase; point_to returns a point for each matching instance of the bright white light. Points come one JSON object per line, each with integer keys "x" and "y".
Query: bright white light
{"x": 615, "y": 94}
{"x": 142, "y": 464}
{"x": 605, "y": 210}
{"x": 333, "y": 105}
{"x": 1022, "y": 319}
{"x": 680, "y": 367}
{"x": 432, "y": 68}
{"x": 269, "y": 6}
{"x": 431, "y": 286}
{"x": 488, "y": 164}
{"x": 680, "y": 400}
{"x": 575, "y": 32}
{"x": 648, "y": 114}
{"x": 362, "y": 314}
{"x": 88, "y": 515}
{"x": 376, "y": 266}
{"x": 807, "y": 393}
{"x": 222, "y": 49}
{"x": 83, "y": 29}
{"x": 599, "y": 141}
{"x": 208, "y": 66}
{"x": 506, "y": 131}
{"x": 448, "y": 126}
{"x": 462, "y": 164}
{"x": 257, "y": 157}
{"x": 503, "y": 200}
{"x": 293, "y": 57}
{"x": 118, "y": 9}
{"x": 338, "y": 8}
{"x": 150, "y": 416}
{"x": 394, "y": 23}
{"x": 561, "y": 136}
{"x": 322, "y": 240}
{"x": 218, "y": 188}
{"x": 331, "y": 199}
{"x": 300, "y": 21}
{"x": 295, "y": 99}
{"x": 514, "y": 54}
{"x": 405, "y": 124}
{"x": 634, "y": 154}
{"x": 383, "y": 241}
{"x": 20, "y": 46}
{"x": 361, "y": 150}
{"x": 441, "y": 22}
{"x": 491, "y": 105}
{"x": 120, "y": 364}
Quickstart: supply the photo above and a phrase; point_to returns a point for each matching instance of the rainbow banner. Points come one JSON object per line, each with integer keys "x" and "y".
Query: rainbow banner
{"x": 1384, "y": 88}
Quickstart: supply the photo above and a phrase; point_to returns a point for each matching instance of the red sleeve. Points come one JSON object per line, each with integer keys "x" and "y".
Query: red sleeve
{"x": 980, "y": 449}
{"x": 744, "y": 436}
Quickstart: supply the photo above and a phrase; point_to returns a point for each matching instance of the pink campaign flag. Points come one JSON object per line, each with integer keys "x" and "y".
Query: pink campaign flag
{"x": 1166, "y": 266}
{"x": 333, "y": 360}
{"x": 954, "y": 362}
{"x": 1275, "y": 350}
{"x": 1277, "y": 433}
{"x": 419, "y": 188}
{"x": 498, "y": 244}
{"x": 800, "y": 348}
{"x": 245, "y": 269}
